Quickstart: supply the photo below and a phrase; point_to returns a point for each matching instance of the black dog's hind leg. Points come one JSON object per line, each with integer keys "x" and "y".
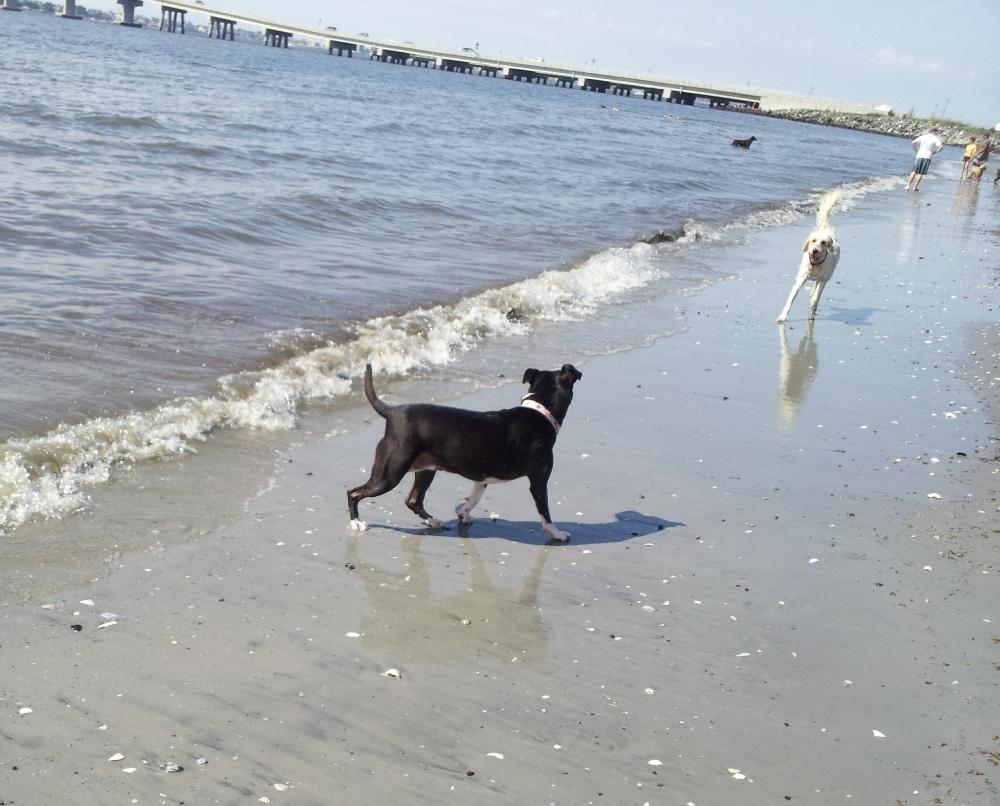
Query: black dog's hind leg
{"x": 415, "y": 500}
{"x": 387, "y": 472}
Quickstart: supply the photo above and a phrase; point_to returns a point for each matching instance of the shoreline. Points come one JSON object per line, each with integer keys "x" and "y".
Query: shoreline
{"x": 907, "y": 127}
{"x": 52, "y": 489}
{"x": 760, "y": 596}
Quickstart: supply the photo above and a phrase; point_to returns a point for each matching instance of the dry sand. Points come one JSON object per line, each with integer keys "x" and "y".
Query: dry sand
{"x": 761, "y": 602}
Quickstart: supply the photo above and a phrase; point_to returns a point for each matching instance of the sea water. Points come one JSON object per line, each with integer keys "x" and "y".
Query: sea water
{"x": 203, "y": 242}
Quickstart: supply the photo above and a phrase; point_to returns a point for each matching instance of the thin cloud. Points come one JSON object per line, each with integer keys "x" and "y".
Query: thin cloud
{"x": 892, "y": 58}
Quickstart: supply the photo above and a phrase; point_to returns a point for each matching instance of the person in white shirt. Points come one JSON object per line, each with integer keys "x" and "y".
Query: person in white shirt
{"x": 926, "y": 146}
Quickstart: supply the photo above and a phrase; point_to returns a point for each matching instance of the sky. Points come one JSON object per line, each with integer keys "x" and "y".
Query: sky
{"x": 914, "y": 55}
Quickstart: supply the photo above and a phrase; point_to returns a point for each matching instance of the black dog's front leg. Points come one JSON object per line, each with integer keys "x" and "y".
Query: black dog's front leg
{"x": 540, "y": 492}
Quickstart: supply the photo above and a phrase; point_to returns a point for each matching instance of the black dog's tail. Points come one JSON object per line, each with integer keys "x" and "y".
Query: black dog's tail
{"x": 378, "y": 405}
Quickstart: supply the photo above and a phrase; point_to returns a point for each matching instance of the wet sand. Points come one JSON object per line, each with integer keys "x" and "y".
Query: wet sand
{"x": 781, "y": 585}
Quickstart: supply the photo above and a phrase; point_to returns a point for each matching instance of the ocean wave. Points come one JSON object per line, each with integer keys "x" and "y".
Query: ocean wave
{"x": 779, "y": 215}
{"x": 49, "y": 475}
{"x": 113, "y": 121}
{"x": 23, "y": 148}
{"x": 772, "y": 215}
{"x": 30, "y": 113}
{"x": 177, "y": 147}
{"x": 245, "y": 127}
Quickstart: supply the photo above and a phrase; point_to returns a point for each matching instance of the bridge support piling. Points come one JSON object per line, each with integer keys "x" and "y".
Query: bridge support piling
{"x": 128, "y": 13}
{"x": 276, "y": 39}
{"x": 10, "y": 5}
{"x": 454, "y": 65}
{"x": 171, "y": 16}
{"x": 69, "y": 10}
{"x": 342, "y": 48}
{"x": 222, "y": 28}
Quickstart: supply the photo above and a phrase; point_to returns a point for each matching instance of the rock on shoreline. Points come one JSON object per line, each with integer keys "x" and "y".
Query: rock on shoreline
{"x": 892, "y": 125}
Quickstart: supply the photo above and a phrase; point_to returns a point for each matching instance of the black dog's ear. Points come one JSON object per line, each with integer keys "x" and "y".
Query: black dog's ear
{"x": 529, "y": 376}
{"x": 573, "y": 372}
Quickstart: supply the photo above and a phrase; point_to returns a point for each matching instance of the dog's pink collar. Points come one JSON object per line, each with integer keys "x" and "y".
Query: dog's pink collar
{"x": 536, "y": 406}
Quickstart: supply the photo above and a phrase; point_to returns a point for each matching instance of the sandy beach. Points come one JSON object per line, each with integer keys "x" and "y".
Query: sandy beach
{"x": 781, "y": 585}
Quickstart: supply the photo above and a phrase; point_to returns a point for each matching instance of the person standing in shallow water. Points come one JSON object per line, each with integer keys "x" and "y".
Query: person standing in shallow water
{"x": 983, "y": 150}
{"x": 970, "y": 152}
{"x": 926, "y": 146}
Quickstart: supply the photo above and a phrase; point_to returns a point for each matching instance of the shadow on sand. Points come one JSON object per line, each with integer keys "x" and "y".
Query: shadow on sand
{"x": 852, "y": 316}
{"x": 625, "y": 526}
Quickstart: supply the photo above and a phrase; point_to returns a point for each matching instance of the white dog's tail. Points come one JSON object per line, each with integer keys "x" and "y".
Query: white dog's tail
{"x": 826, "y": 204}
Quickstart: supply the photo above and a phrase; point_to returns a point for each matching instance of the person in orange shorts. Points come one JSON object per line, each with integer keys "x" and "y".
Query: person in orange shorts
{"x": 970, "y": 152}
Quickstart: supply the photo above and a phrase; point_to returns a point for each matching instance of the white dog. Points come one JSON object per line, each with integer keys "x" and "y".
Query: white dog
{"x": 819, "y": 260}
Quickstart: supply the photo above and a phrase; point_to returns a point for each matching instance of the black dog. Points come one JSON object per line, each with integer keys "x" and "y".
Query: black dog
{"x": 664, "y": 236}
{"x": 743, "y": 143}
{"x": 486, "y": 447}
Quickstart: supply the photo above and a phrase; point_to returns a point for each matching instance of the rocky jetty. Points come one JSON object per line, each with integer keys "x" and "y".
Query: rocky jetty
{"x": 951, "y": 132}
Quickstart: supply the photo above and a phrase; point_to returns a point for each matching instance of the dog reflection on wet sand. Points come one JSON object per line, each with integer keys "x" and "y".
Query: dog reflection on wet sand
{"x": 796, "y": 372}
{"x": 406, "y": 620}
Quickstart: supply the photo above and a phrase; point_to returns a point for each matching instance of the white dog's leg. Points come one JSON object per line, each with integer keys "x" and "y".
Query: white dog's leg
{"x": 464, "y": 510}
{"x": 817, "y": 292}
{"x": 799, "y": 282}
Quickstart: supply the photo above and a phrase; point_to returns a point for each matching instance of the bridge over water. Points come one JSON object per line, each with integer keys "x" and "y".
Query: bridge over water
{"x": 223, "y": 24}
